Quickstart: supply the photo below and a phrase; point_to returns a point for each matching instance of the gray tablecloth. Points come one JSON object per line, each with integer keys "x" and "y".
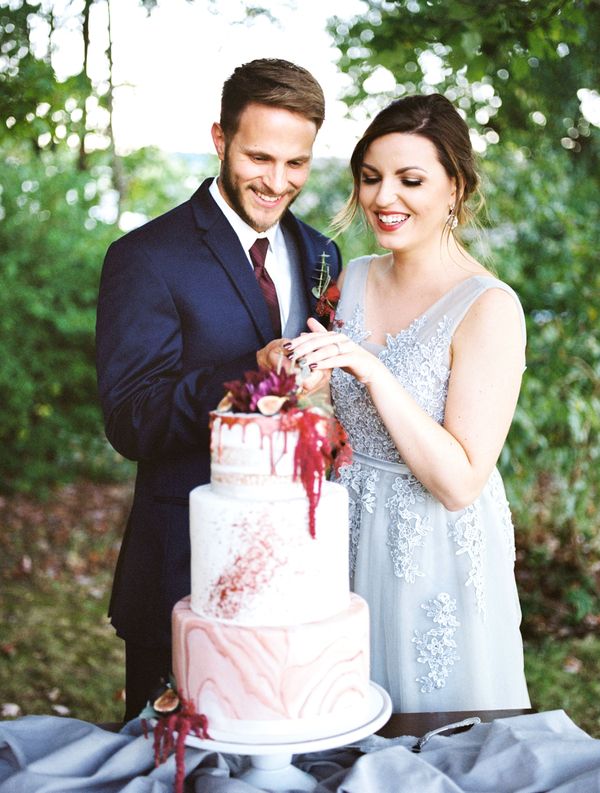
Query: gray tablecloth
{"x": 523, "y": 754}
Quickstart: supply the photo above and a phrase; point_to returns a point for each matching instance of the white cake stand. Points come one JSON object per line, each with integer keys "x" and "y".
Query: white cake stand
{"x": 271, "y": 766}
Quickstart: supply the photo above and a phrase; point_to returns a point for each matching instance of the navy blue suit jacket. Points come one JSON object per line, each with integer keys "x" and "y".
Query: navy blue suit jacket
{"x": 179, "y": 313}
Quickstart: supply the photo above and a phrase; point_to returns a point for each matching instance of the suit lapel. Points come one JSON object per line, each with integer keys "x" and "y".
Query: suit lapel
{"x": 224, "y": 244}
{"x": 310, "y": 250}
{"x": 307, "y": 256}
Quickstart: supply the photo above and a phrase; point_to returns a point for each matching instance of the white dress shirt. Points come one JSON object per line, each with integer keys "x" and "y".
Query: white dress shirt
{"x": 277, "y": 263}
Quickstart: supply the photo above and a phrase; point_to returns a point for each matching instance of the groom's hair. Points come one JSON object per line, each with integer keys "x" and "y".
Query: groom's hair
{"x": 273, "y": 82}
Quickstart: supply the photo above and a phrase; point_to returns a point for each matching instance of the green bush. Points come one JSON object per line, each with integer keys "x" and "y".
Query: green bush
{"x": 52, "y": 241}
{"x": 544, "y": 221}
{"x": 56, "y": 223}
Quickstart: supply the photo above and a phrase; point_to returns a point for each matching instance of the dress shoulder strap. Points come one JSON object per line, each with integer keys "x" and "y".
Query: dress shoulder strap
{"x": 353, "y": 289}
{"x": 459, "y": 300}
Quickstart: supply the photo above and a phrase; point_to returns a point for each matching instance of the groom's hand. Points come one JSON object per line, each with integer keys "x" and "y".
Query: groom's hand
{"x": 273, "y": 356}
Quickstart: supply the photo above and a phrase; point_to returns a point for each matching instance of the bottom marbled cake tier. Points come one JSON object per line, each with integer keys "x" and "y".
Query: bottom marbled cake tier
{"x": 273, "y": 680}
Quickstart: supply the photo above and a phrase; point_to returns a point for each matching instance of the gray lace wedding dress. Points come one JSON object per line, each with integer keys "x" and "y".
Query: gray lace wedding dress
{"x": 440, "y": 585}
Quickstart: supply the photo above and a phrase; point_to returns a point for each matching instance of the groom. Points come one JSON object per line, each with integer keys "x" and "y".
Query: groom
{"x": 185, "y": 306}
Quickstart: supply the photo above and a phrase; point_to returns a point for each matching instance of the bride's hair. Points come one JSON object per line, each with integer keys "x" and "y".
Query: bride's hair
{"x": 436, "y": 119}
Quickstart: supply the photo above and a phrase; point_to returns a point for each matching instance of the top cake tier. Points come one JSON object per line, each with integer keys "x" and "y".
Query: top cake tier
{"x": 250, "y": 452}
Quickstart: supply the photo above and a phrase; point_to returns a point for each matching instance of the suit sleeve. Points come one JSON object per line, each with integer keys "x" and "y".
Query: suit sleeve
{"x": 151, "y": 406}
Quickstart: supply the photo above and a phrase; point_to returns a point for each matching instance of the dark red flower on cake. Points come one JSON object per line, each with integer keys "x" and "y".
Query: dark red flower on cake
{"x": 172, "y": 728}
{"x": 243, "y": 395}
{"x": 322, "y": 444}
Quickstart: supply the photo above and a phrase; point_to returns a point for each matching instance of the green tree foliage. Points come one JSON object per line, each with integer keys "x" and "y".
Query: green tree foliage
{"x": 58, "y": 214}
{"x": 544, "y": 230}
{"x": 514, "y": 65}
{"x": 521, "y": 72}
{"x": 56, "y": 223}
{"x": 35, "y": 106}
{"x": 51, "y": 238}
{"x": 328, "y": 187}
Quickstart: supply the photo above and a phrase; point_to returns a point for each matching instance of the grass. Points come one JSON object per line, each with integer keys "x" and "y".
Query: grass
{"x": 58, "y": 652}
{"x": 59, "y": 655}
{"x": 564, "y": 674}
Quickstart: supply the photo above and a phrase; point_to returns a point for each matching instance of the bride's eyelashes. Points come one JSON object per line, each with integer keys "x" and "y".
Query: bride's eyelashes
{"x": 406, "y": 181}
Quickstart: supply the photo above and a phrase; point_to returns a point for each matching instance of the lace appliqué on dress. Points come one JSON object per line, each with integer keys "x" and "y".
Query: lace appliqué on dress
{"x": 355, "y": 409}
{"x": 360, "y": 484}
{"x": 422, "y": 366}
{"x": 496, "y": 486}
{"x": 467, "y": 533}
{"x": 354, "y": 327}
{"x": 437, "y": 647}
{"x": 420, "y": 362}
{"x": 406, "y": 529}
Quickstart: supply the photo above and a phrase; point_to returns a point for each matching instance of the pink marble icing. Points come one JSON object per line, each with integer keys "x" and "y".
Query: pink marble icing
{"x": 296, "y": 674}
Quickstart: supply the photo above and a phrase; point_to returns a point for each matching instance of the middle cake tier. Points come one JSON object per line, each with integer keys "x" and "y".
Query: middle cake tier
{"x": 254, "y": 561}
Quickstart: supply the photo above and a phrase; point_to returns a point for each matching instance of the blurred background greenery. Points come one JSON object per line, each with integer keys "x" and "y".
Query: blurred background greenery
{"x": 525, "y": 74}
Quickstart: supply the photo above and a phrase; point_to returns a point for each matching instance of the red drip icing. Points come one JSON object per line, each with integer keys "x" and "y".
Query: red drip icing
{"x": 321, "y": 443}
{"x": 318, "y": 441}
{"x": 267, "y": 427}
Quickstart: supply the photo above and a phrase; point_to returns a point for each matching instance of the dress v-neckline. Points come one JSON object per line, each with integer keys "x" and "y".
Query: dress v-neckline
{"x": 393, "y": 336}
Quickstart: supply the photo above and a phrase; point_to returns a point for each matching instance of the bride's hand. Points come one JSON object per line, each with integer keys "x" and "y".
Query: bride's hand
{"x": 322, "y": 349}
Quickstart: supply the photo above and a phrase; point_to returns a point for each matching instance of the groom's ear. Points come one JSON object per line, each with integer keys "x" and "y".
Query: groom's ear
{"x": 218, "y": 137}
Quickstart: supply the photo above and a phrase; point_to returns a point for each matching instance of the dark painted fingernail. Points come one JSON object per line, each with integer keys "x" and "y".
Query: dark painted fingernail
{"x": 287, "y": 345}
{"x": 289, "y": 355}
{"x": 312, "y": 366}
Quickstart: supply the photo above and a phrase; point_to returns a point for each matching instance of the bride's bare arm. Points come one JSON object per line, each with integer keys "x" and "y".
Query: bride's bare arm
{"x": 453, "y": 460}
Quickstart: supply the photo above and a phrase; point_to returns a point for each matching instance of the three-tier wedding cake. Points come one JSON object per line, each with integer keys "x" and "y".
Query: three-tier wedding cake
{"x": 271, "y": 640}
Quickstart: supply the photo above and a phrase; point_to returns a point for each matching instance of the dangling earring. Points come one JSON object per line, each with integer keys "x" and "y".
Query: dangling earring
{"x": 452, "y": 220}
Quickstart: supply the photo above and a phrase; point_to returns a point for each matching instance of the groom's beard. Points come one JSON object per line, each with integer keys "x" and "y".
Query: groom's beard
{"x": 239, "y": 200}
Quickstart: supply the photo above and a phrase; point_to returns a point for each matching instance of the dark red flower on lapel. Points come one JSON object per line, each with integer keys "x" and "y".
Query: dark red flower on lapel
{"x": 327, "y": 303}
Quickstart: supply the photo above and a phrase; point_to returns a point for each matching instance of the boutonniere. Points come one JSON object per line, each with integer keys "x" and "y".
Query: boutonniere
{"x": 326, "y": 292}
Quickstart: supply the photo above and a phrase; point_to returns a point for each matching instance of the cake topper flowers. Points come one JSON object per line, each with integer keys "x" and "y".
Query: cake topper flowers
{"x": 264, "y": 391}
{"x": 322, "y": 441}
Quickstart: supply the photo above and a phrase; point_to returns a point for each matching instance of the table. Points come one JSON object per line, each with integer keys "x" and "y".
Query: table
{"x": 512, "y": 751}
{"x": 420, "y": 723}
{"x": 411, "y": 723}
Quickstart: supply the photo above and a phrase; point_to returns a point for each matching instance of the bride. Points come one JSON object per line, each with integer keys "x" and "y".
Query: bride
{"x": 427, "y": 355}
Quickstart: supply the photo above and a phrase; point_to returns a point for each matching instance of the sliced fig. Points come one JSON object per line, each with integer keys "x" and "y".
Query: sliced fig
{"x": 225, "y": 404}
{"x": 270, "y": 405}
{"x": 167, "y": 702}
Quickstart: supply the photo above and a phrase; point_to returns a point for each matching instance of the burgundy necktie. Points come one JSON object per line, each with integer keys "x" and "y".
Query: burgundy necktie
{"x": 258, "y": 254}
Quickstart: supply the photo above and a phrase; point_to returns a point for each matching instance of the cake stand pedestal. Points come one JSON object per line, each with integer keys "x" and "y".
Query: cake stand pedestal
{"x": 271, "y": 766}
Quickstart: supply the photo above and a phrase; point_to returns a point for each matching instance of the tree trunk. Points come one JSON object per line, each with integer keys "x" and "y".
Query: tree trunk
{"x": 117, "y": 169}
{"x": 82, "y": 159}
